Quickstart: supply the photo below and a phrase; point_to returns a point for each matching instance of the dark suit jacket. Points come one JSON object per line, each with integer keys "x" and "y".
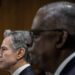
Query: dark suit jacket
{"x": 69, "y": 68}
{"x": 28, "y": 71}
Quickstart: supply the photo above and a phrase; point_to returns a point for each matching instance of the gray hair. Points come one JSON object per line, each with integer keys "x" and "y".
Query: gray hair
{"x": 20, "y": 39}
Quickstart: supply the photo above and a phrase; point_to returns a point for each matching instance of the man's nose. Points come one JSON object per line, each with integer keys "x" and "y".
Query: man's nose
{"x": 0, "y": 53}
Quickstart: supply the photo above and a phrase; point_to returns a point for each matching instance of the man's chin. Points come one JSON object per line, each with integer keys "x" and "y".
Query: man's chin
{"x": 3, "y": 68}
{"x": 40, "y": 65}
{"x": 43, "y": 67}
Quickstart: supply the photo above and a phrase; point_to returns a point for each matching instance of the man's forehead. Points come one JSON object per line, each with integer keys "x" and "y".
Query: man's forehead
{"x": 7, "y": 39}
{"x": 44, "y": 22}
{"x": 6, "y": 42}
{"x": 38, "y": 19}
{"x": 36, "y": 22}
{"x": 39, "y": 24}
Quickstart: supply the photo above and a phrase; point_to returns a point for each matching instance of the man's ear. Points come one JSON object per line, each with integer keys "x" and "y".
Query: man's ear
{"x": 20, "y": 53}
{"x": 61, "y": 39}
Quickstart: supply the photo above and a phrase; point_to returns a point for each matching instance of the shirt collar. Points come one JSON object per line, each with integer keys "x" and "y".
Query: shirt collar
{"x": 19, "y": 70}
{"x": 64, "y": 63}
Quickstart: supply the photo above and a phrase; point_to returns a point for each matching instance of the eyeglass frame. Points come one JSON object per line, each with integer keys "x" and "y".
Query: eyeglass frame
{"x": 58, "y": 30}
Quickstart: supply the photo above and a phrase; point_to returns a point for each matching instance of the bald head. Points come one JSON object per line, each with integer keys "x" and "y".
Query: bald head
{"x": 59, "y": 15}
{"x": 53, "y": 32}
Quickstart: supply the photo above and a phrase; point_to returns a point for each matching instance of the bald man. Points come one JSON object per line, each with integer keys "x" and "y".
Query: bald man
{"x": 53, "y": 32}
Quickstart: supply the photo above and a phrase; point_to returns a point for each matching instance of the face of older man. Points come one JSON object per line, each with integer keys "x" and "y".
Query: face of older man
{"x": 7, "y": 55}
{"x": 44, "y": 45}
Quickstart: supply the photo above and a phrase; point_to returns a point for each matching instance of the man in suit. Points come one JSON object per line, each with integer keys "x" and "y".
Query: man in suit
{"x": 53, "y": 32}
{"x": 14, "y": 56}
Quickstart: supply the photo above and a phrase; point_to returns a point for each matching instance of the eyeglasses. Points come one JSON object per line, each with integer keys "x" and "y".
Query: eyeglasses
{"x": 36, "y": 33}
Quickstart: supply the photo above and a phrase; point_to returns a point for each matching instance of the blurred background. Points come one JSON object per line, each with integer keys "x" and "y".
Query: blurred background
{"x": 18, "y": 15}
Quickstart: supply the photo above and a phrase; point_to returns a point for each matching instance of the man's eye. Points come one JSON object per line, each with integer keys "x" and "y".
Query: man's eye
{"x": 36, "y": 34}
{"x": 3, "y": 49}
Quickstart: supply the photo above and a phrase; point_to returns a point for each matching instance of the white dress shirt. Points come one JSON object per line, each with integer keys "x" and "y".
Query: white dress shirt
{"x": 19, "y": 70}
{"x": 63, "y": 64}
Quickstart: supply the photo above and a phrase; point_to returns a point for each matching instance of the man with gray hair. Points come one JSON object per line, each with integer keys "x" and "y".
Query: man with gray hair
{"x": 53, "y": 32}
{"x": 14, "y": 56}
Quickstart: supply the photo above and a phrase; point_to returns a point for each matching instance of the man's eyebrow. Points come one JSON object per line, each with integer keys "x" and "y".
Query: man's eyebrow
{"x": 3, "y": 47}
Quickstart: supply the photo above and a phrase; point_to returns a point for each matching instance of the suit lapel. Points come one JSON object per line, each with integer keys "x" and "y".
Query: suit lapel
{"x": 69, "y": 67}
